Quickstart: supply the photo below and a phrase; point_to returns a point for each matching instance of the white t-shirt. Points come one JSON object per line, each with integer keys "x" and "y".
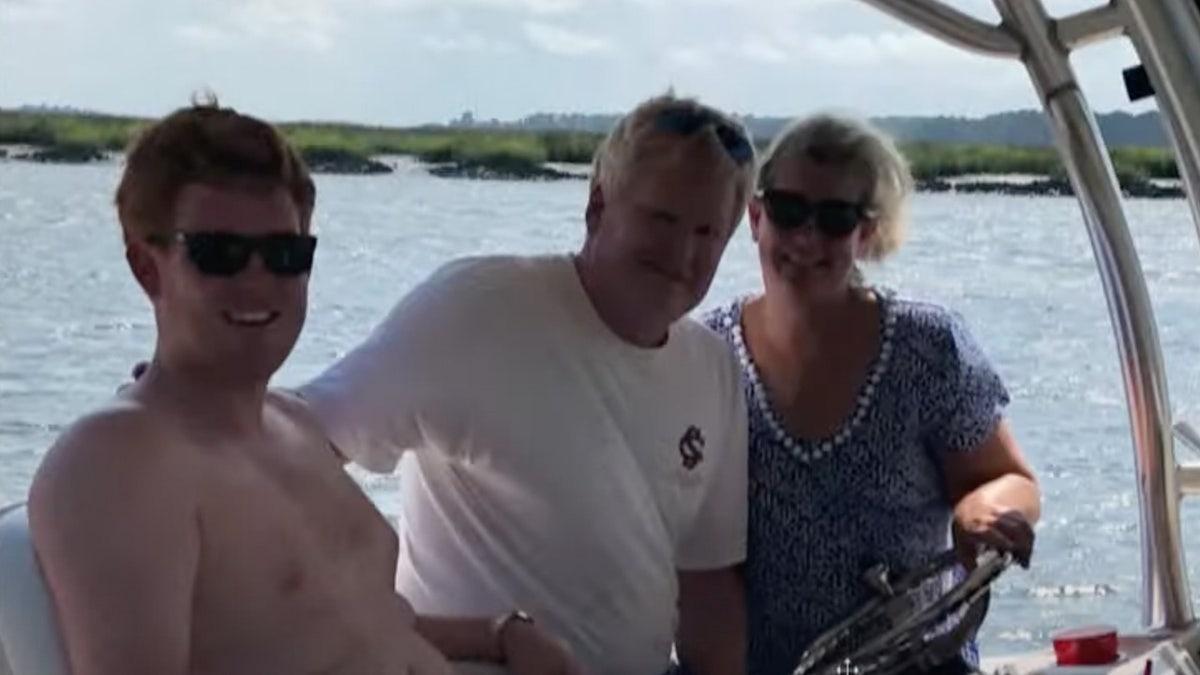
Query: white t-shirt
{"x": 557, "y": 469}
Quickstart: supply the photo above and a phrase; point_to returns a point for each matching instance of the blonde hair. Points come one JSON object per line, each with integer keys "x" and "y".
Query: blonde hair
{"x": 854, "y": 145}
{"x": 635, "y": 138}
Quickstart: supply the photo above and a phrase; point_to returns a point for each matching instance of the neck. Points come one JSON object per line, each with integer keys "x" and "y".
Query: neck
{"x": 227, "y": 406}
{"x": 804, "y": 327}
{"x": 616, "y": 306}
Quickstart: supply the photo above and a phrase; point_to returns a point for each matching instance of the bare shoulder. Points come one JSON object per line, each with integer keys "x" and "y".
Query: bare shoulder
{"x": 114, "y": 521}
{"x": 122, "y": 436}
{"x": 300, "y": 417}
{"x": 116, "y": 459}
{"x": 292, "y": 405}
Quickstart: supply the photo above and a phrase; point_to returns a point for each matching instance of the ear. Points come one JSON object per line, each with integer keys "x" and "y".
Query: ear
{"x": 595, "y": 208}
{"x": 142, "y": 264}
{"x": 755, "y": 209}
{"x": 867, "y": 232}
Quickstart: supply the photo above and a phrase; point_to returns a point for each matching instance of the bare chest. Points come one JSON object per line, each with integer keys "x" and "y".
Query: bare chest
{"x": 296, "y": 568}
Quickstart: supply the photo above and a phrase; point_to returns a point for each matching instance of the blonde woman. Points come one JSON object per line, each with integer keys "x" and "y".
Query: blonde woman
{"x": 876, "y": 422}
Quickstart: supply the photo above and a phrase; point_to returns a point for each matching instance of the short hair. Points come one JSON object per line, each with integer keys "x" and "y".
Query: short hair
{"x": 210, "y": 145}
{"x": 634, "y": 138}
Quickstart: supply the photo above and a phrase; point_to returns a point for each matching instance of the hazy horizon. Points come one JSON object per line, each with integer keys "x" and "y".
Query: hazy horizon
{"x": 70, "y": 109}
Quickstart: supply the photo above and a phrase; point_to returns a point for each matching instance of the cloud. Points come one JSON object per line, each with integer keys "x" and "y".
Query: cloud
{"x": 28, "y": 11}
{"x": 469, "y": 42}
{"x": 309, "y": 25}
{"x": 754, "y": 48}
{"x": 792, "y": 5}
{"x": 564, "y": 41}
{"x": 889, "y": 47}
{"x": 564, "y": 6}
{"x": 845, "y": 50}
{"x": 524, "y": 6}
{"x": 315, "y": 25}
{"x": 752, "y": 55}
{"x": 690, "y": 57}
{"x": 202, "y": 35}
{"x": 762, "y": 51}
{"x": 302, "y": 23}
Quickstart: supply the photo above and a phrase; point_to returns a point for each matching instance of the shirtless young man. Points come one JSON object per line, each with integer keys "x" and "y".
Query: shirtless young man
{"x": 196, "y": 523}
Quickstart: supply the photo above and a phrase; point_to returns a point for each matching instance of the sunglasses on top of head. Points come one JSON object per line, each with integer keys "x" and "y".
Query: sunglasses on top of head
{"x": 833, "y": 218}
{"x": 687, "y": 121}
{"x": 225, "y": 254}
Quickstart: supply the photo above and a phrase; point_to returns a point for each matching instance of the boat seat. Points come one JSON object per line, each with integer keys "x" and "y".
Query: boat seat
{"x": 30, "y": 642}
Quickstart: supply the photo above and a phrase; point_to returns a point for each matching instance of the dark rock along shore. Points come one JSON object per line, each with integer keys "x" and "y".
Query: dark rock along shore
{"x": 337, "y": 161}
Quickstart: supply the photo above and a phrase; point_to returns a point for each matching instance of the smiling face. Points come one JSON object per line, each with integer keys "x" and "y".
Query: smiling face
{"x": 239, "y": 325}
{"x": 215, "y": 207}
{"x": 660, "y": 236}
{"x": 799, "y": 257}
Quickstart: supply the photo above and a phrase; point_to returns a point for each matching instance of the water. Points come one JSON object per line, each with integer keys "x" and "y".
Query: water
{"x": 73, "y": 322}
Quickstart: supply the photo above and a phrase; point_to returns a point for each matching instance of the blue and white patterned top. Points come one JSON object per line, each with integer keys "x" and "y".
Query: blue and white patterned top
{"x": 823, "y": 511}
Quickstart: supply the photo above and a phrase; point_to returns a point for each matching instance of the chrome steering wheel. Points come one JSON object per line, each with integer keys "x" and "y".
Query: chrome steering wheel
{"x": 900, "y": 631}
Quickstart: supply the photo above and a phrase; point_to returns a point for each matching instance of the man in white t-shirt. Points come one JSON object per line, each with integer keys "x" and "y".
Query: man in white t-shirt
{"x": 578, "y": 442}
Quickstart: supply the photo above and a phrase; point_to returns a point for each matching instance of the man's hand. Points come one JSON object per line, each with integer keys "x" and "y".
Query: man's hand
{"x": 978, "y": 522}
{"x": 528, "y": 650}
{"x": 520, "y": 647}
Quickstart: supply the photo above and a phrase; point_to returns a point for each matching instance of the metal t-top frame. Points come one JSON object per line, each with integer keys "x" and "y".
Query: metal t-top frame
{"x": 1166, "y": 36}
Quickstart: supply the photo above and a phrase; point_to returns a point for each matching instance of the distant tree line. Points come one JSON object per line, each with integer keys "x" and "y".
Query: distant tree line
{"x": 937, "y": 147}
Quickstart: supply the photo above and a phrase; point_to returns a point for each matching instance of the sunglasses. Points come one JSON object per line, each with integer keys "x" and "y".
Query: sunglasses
{"x": 685, "y": 122}
{"x": 224, "y": 254}
{"x": 833, "y": 218}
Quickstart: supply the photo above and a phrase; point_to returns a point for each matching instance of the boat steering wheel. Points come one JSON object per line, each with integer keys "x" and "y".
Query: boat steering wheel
{"x": 896, "y": 631}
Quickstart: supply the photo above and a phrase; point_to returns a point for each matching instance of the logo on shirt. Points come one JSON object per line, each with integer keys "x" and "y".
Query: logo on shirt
{"x": 691, "y": 447}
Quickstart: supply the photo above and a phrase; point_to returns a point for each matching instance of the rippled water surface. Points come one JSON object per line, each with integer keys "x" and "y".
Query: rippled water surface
{"x": 72, "y": 322}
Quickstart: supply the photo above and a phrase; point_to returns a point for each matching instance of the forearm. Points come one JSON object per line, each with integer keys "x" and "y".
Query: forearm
{"x": 462, "y": 639}
{"x": 712, "y": 622}
{"x": 1012, "y": 491}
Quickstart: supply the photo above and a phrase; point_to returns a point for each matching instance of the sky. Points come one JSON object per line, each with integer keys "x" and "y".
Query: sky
{"x": 402, "y": 62}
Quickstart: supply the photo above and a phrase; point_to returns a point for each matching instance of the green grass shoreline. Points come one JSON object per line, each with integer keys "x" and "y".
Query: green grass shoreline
{"x": 349, "y": 148}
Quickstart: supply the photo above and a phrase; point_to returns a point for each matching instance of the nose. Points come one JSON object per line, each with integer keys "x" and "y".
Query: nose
{"x": 255, "y": 287}
{"x": 687, "y": 248}
{"x": 255, "y": 273}
{"x": 682, "y": 253}
{"x": 804, "y": 236}
{"x": 255, "y": 267}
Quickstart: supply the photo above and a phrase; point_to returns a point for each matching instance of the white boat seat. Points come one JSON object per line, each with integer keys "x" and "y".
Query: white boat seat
{"x": 30, "y": 642}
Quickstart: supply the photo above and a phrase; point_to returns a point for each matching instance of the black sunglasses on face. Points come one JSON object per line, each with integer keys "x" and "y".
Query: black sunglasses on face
{"x": 685, "y": 122}
{"x": 224, "y": 254}
{"x": 833, "y": 218}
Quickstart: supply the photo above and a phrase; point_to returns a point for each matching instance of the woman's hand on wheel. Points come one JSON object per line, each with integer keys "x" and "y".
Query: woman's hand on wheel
{"x": 980, "y": 523}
